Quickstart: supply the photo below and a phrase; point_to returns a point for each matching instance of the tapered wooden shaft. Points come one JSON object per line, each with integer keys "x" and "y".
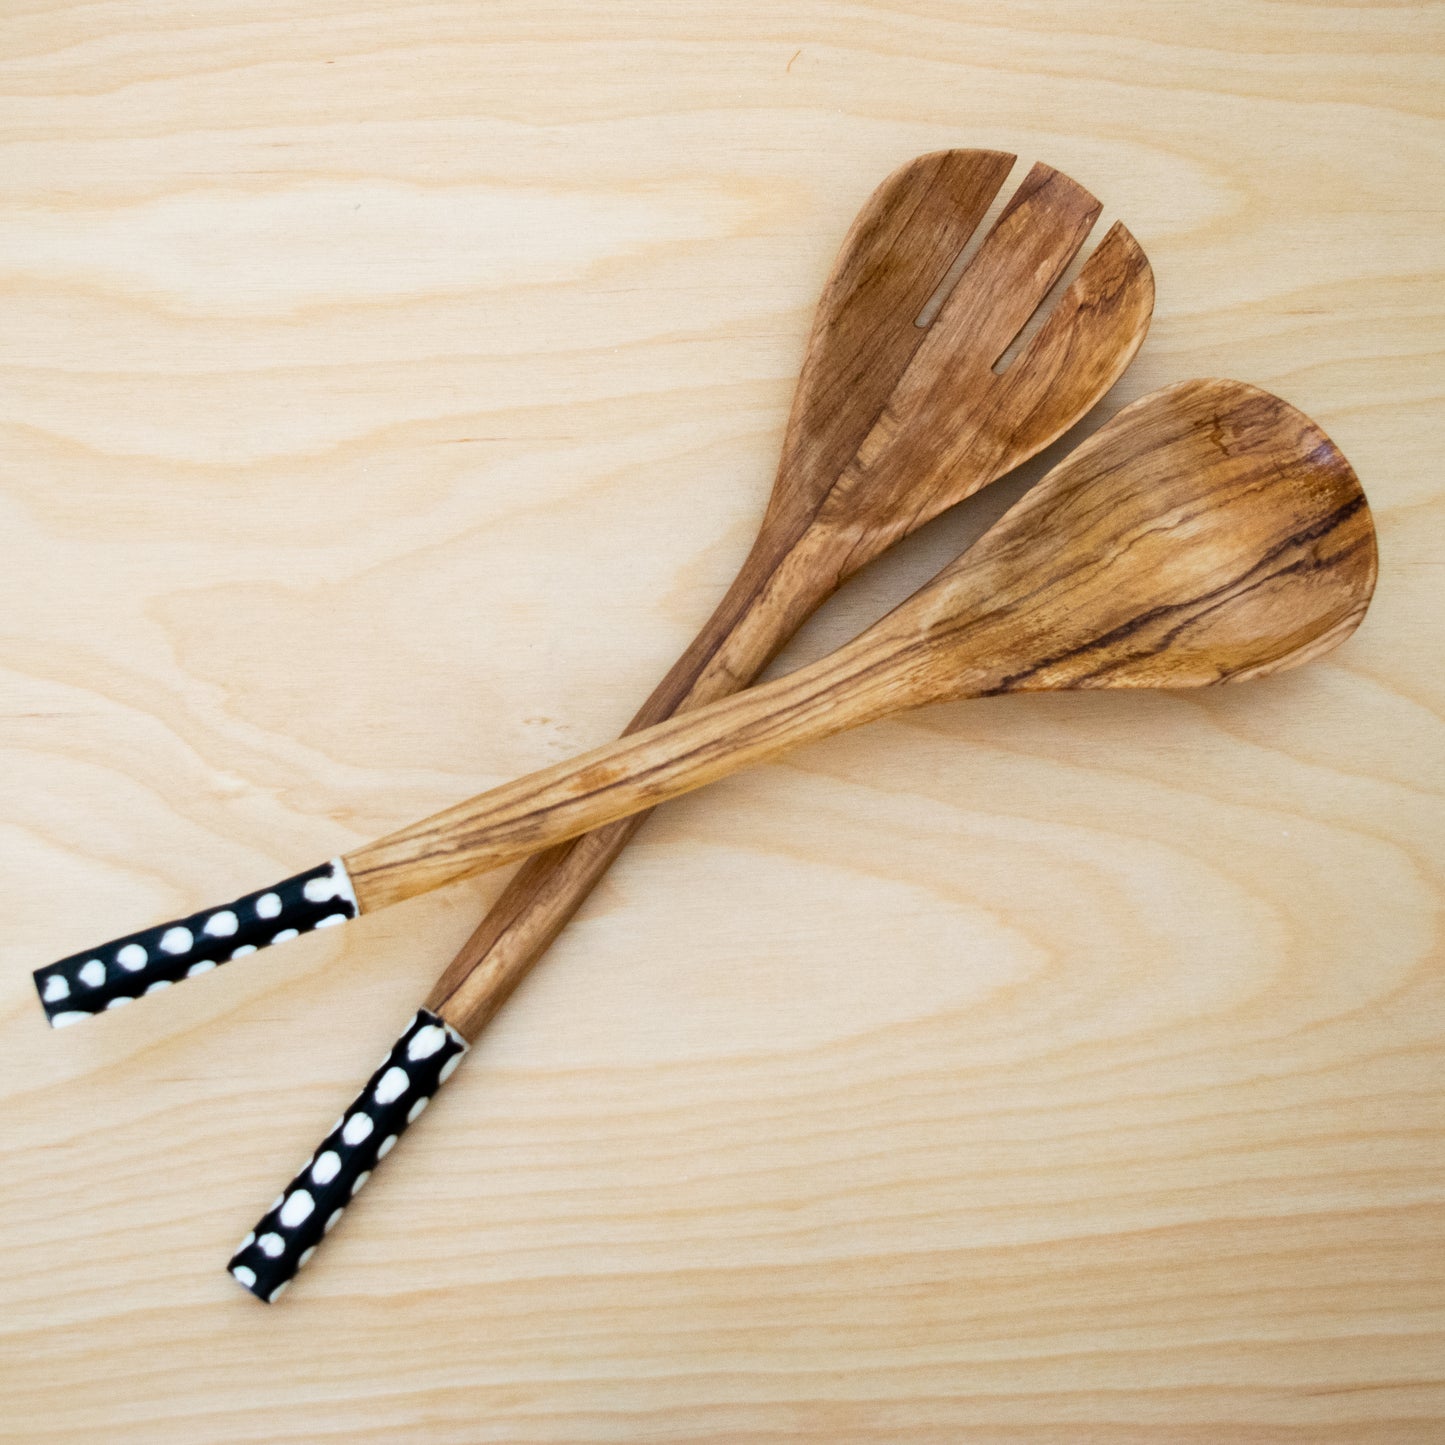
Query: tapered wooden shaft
{"x": 865, "y": 680}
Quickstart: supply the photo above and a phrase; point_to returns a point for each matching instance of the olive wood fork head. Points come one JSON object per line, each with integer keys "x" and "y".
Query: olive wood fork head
{"x": 948, "y": 423}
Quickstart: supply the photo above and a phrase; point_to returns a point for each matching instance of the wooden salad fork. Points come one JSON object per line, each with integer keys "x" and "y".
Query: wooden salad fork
{"x": 1210, "y": 533}
{"x": 893, "y": 422}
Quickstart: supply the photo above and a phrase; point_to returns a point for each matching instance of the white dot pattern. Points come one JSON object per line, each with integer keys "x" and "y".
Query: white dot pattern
{"x": 326, "y": 1167}
{"x": 358, "y": 1127}
{"x": 314, "y": 1201}
{"x": 128, "y": 968}
{"x": 426, "y": 1043}
{"x": 324, "y": 890}
{"x": 298, "y": 1208}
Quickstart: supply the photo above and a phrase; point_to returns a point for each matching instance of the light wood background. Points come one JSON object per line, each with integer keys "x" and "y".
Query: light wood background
{"x": 386, "y": 394}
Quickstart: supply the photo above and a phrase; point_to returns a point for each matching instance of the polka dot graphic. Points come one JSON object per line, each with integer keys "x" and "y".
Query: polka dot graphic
{"x": 298, "y": 1208}
{"x": 313, "y": 1203}
{"x": 357, "y": 1128}
{"x": 426, "y": 1043}
{"x": 128, "y": 968}
{"x": 326, "y": 1167}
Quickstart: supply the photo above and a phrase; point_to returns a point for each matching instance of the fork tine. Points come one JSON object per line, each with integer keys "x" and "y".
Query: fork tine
{"x": 1038, "y": 234}
{"x": 1068, "y": 361}
{"x": 898, "y": 251}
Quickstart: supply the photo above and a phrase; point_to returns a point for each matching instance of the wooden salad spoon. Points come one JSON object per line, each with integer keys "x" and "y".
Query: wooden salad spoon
{"x": 893, "y": 422}
{"x": 1209, "y": 533}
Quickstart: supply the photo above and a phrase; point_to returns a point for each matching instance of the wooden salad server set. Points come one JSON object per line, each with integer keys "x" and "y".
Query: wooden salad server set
{"x": 1209, "y": 533}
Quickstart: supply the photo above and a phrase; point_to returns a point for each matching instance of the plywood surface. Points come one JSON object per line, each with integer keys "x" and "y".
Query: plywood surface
{"x": 386, "y": 394}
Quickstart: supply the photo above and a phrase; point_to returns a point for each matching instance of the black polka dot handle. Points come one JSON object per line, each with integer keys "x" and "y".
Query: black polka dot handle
{"x": 121, "y": 971}
{"x": 309, "y": 1207}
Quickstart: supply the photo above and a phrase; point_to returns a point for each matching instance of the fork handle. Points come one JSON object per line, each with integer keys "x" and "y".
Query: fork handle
{"x": 300, "y": 1217}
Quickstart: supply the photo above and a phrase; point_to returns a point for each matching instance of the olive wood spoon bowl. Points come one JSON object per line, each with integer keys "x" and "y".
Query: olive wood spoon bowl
{"x": 1208, "y": 534}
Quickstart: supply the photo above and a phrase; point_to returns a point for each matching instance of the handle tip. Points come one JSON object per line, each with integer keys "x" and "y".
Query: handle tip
{"x": 310, "y": 1207}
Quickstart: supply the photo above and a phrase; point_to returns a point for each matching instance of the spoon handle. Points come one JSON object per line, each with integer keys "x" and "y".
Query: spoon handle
{"x": 851, "y": 686}
{"x": 867, "y": 679}
{"x": 121, "y": 971}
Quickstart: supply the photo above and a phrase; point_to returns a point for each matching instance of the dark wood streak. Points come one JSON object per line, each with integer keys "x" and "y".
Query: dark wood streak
{"x": 1032, "y": 606}
{"x": 1196, "y": 607}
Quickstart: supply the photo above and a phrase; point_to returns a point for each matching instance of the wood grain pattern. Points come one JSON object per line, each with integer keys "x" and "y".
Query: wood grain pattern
{"x": 366, "y": 371}
{"x": 1208, "y": 534}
